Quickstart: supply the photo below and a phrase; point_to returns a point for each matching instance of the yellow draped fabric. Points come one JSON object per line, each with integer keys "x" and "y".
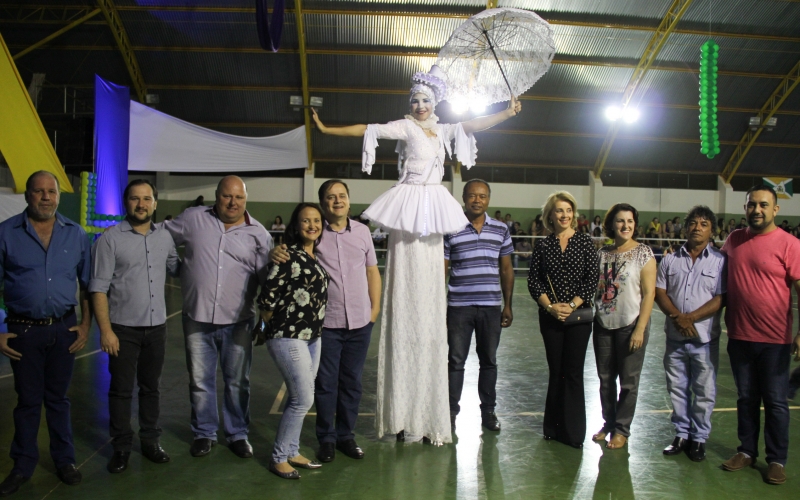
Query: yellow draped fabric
{"x": 23, "y": 141}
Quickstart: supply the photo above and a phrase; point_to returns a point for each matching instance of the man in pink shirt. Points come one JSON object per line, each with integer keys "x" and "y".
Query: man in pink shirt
{"x": 763, "y": 264}
{"x": 346, "y": 251}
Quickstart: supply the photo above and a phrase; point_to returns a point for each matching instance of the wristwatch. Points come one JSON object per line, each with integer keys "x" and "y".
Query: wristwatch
{"x": 572, "y": 305}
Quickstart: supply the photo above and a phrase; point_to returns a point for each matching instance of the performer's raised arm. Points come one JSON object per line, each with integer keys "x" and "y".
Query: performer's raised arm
{"x": 489, "y": 121}
{"x": 349, "y": 131}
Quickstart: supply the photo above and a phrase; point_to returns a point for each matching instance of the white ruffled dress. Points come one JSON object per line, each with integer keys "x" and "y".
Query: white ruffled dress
{"x": 412, "y": 353}
{"x": 418, "y": 203}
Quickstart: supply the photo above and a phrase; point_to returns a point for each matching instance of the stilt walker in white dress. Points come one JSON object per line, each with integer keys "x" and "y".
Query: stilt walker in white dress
{"x": 417, "y": 211}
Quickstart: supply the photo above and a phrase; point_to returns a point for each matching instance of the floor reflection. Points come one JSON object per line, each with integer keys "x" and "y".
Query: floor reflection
{"x": 613, "y": 475}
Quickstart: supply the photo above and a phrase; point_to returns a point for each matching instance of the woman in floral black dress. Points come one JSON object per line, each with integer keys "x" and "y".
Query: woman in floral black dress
{"x": 292, "y": 303}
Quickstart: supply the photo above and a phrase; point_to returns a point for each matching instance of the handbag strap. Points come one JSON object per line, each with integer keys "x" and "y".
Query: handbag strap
{"x": 552, "y": 289}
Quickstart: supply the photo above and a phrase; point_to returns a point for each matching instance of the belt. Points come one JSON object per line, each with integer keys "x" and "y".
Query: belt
{"x": 17, "y": 319}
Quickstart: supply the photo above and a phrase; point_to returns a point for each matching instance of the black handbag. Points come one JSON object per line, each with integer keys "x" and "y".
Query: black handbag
{"x": 260, "y": 332}
{"x": 581, "y": 315}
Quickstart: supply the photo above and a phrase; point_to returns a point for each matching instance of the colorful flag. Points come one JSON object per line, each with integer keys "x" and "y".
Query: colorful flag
{"x": 781, "y": 185}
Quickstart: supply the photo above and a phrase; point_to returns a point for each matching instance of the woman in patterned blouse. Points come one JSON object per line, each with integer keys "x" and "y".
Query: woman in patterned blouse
{"x": 623, "y": 305}
{"x": 563, "y": 277}
{"x": 292, "y": 303}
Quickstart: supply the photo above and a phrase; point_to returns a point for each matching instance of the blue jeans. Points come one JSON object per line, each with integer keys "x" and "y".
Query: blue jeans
{"x": 232, "y": 346}
{"x": 691, "y": 367}
{"x": 461, "y": 322}
{"x": 338, "y": 384}
{"x": 761, "y": 373}
{"x": 42, "y": 376}
{"x": 297, "y": 361}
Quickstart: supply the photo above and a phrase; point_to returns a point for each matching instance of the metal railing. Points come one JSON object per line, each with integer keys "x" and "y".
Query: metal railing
{"x": 658, "y": 250}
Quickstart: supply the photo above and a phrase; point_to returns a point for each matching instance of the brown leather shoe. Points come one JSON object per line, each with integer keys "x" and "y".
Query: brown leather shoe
{"x": 737, "y": 462}
{"x": 776, "y": 474}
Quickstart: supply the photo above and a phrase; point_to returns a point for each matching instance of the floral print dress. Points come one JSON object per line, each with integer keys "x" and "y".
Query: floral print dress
{"x": 297, "y": 292}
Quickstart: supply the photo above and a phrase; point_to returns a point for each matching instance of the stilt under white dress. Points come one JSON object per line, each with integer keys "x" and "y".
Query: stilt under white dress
{"x": 412, "y": 354}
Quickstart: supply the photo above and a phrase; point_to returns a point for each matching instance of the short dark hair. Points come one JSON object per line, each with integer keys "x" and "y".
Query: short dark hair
{"x": 702, "y": 212}
{"x": 29, "y": 182}
{"x": 464, "y": 191}
{"x": 292, "y": 233}
{"x": 608, "y": 222}
{"x": 763, "y": 187}
{"x": 139, "y": 182}
{"x": 323, "y": 189}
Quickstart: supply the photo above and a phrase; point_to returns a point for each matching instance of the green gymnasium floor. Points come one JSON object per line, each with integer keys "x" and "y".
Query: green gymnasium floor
{"x": 516, "y": 463}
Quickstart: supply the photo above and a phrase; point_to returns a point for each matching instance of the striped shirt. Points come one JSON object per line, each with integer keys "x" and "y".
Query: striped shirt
{"x": 475, "y": 263}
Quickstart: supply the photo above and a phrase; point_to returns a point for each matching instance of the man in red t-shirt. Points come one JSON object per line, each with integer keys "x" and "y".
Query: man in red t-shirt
{"x": 763, "y": 263}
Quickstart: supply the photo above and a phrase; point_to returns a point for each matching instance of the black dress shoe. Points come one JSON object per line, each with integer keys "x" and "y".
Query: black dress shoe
{"x": 678, "y": 445}
{"x": 155, "y": 453}
{"x": 118, "y": 462}
{"x": 697, "y": 452}
{"x": 350, "y": 448}
{"x": 69, "y": 475}
{"x": 11, "y": 484}
{"x": 201, "y": 447}
{"x": 242, "y": 448}
{"x": 401, "y": 436}
{"x": 489, "y": 420}
{"x": 327, "y": 452}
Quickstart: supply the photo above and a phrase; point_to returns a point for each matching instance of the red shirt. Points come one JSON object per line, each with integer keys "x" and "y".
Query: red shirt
{"x": 761, "y": 271}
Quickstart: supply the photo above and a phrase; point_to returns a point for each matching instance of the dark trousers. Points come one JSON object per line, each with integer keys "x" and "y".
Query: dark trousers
{"x": 461, "y": 322}
{"x": 565, "y": 409}
{"x": 337, "y": 388}
{"x": 42, "y": 376}
{"x": 615, "y": 360}
{"x": 141, "y": 357}
{"x": 761, "y": 373}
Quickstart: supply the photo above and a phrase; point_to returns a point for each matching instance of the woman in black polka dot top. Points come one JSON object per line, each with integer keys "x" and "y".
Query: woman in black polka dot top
{"x": 563, "y": 277}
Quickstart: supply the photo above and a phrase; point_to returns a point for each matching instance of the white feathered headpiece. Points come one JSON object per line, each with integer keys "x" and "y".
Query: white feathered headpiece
{"x": 431, "y": 84}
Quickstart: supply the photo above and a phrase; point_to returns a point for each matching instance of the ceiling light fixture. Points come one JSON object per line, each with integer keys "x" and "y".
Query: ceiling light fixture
{"x": 459, "y": 105}
{"x": 630, "y": 115}
{"x": 613, "y": 113}
{"x": 477, "y": 107}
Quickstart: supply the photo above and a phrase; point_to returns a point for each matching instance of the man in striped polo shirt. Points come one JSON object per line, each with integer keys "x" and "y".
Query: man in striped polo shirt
{"x": 478, "y": 297}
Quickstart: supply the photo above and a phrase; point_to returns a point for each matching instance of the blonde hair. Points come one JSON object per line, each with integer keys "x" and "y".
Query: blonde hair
{"x": 550, "y": 205}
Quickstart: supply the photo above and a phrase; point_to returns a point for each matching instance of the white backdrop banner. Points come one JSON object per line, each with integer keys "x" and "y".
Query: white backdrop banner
{"x": 162, "y": 143}
{"x": 11, "y": 204}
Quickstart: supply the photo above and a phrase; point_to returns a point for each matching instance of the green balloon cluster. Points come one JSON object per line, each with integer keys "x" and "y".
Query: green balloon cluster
{"x": 709, "y": 126}
{"x": 88, "y": 195}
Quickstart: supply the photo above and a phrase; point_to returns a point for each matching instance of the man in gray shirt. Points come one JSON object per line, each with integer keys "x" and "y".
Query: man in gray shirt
{"x": 129, "y": 268}
{"x": 224, "y": 263}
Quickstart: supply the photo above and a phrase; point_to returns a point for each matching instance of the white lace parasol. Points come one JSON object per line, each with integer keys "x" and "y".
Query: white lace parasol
{"x": 495, "y": 52}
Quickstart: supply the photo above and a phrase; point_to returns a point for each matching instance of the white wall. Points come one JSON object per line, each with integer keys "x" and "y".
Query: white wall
{"x": 533, "y": 195}
{"x": 268, "y": 189}
{"x": 656, "y": 200}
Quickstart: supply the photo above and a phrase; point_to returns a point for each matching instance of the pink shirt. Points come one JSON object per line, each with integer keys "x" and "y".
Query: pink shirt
{"x": 345, "y": 255}
{"x": 761, "y": 271}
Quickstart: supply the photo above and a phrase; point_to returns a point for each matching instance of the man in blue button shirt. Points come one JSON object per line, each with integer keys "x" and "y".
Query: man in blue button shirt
{"x": 689, "y": 290}
{"x": 42, "y": 256}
